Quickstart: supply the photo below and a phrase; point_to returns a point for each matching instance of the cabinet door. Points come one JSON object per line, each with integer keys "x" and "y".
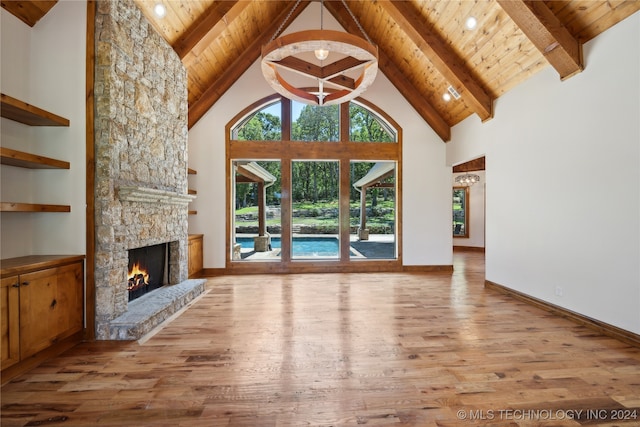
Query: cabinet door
{"x": 68, "y": 313}
{"x": 51, "y": 306}
{"x": 195, "y": 256}
{"x": 37, "y": 306}
{"x": 9, "y": 322}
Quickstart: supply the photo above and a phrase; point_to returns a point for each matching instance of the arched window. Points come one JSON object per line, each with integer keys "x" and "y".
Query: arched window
{"x": 313, "y": 188}
{"x": 367, "y": 126}
{"x": 264, "y": 124}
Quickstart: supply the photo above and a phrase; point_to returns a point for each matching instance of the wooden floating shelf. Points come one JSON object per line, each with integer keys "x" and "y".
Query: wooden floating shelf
{"x": 191, "y": 191}
{"x": 31, "y": 161}
{"x": 30, "y": 207}
{"x": 21, "y": 112}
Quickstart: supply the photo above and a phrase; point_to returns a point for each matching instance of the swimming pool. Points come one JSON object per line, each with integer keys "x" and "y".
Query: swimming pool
{"x": 302, "y": 246}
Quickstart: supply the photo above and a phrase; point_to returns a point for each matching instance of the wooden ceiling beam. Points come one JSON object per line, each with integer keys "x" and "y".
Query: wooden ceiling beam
{"x": 396, "y": 77}
{"x": 413, "y": 97}
{"x": 29, "y": 12}
{"x": 217, "y": 88}
{"x": 546, "y": 32}
{"x": 204, "y": 31}
{"x": 452, "y": 67}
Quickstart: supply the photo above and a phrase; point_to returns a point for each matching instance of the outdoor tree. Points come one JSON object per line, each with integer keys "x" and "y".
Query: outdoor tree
{"x": 274, "y": 191}
{"x": 317, "y": 123}
{"x": 261, "y": 127}
{"x": 366, "y": 127}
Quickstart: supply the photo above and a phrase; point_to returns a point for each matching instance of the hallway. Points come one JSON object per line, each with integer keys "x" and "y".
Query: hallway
{"x": 393, "y": 349}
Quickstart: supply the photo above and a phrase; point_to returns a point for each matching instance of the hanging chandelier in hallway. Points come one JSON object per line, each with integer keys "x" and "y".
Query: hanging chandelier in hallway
{"x": 468, "y": 179}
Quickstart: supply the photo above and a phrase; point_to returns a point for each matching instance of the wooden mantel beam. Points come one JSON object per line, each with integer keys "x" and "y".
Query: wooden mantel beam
{"x": 546, "y": 32}
{"x": 395, "y": 76}
{"x": 203, "y": 32}
{"x": 452, "y": 68}
{"x": 217, "y": 88}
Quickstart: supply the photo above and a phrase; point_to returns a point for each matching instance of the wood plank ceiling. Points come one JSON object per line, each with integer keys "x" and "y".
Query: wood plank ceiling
{"x": 424, "y": 45}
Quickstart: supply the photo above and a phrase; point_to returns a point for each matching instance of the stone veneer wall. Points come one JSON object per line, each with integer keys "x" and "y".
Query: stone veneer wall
{"x": 141, "y": 142}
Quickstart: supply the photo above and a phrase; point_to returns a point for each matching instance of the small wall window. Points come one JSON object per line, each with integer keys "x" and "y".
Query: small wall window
{"x": 460, "y": 211}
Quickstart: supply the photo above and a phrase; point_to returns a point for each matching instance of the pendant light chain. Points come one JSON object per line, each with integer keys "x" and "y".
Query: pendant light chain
{"x": 285, "y": 21}
{"x": 366, "y": 36}
{"x": 357, "y": 22}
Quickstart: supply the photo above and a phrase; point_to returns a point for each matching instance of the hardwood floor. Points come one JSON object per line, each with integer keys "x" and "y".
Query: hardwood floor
{"x": 393, "y": 349}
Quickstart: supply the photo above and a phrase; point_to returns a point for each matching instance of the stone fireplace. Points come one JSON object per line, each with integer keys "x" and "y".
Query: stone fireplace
{"x": 140, "y": 169}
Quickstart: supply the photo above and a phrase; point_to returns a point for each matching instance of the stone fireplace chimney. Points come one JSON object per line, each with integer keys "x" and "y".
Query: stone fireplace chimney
{"x": 141, "y": 153}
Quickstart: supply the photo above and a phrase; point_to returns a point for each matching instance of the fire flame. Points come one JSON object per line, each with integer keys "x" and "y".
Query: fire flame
{"x": 137, "y": 277}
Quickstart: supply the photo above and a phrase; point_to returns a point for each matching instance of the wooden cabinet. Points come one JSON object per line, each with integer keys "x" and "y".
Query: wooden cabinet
{"x": 21, "y": 112}
{"x": 10, "y": 321}
{"x": 195, "y": 254}
{"x": 42, "y": 304}
{"x": 50, "y": 307}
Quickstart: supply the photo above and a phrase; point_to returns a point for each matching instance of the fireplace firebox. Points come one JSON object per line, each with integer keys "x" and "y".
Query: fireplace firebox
{"x": 147, "y": 270}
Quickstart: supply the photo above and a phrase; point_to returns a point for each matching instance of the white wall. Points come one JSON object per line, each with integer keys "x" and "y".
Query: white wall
{"x": 563, "y": 182}
{"x": 45, "y": 66}
{"x": 16, "y": 231}
{"x": 426, "y": 178}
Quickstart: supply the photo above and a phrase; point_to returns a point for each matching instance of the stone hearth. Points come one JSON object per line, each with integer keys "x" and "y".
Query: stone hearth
{"x": 150, "y": 310}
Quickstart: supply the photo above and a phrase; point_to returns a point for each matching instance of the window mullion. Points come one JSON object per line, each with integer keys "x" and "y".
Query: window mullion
{"x": 345, "y": 189}
{"x": 285, "y": 119}
{"x": 285, "y": 210}
{"x": 345, "y": 126}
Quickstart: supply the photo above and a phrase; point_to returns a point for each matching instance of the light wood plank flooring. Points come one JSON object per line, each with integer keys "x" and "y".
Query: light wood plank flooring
{"x": 342, "y": 349}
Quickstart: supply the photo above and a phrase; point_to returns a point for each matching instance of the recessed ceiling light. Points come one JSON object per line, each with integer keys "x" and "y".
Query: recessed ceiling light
{"x": 471, "y": 23}
{"x": 159, "y": 10}
{"x": 446, "y": 97}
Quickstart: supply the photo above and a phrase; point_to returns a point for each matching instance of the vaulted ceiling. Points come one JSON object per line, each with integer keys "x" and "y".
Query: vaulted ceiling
{"x": 424, "y": 46}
